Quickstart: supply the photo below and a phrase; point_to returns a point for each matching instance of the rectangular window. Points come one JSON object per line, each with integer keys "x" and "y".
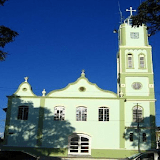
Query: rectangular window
{"x": 59, "y": 113}
{"x": 131, "y": 137}
{"x": 103, "y": 114}
{"x": 134, "y": 35}
{"x": 144, "y": 138}
{"x": 23, "y": 113}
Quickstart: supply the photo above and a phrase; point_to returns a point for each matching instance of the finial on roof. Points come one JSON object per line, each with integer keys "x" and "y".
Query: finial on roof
{"x": 131, "y": 11}
{"x": 26, "y": 79}
{"x": 83, "y": 73}
{"x": 44, "y": 92}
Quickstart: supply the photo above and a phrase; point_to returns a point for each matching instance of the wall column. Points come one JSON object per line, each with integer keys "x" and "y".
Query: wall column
{"x": 122, "y": 124}
{"x": 8, "y": 116}
{"x": 40, "y": 122}
{"x": 152, "y": 125}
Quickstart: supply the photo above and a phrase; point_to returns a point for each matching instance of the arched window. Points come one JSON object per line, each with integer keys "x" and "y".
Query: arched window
{"x": 23, "y": 112}
{"x": 81, "y": 113}
{"x": 137, "y": 114}
{"x": 59, "y": 113}
{"x": 79, "y": 144}
{"x": 103, "y": 113}
{"x": 141, "y": 61}
{"x": 130, "y": 61}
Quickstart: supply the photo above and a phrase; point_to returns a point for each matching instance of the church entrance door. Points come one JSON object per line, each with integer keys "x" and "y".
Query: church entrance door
{"x": 79, "y": 144}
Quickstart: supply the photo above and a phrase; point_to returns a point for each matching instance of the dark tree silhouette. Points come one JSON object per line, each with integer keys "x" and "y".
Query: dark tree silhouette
{"x": 24, "y": 132}
{"x": 6, "y": 35}
{"x": 148, "y": 13}
{"x": 2, "y": 2}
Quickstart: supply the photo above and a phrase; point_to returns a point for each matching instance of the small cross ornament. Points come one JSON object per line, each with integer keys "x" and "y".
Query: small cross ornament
{"x": 131, "y": 11}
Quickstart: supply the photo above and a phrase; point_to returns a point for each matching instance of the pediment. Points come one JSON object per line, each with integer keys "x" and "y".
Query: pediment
{"x": 24, "y": 89}
{"x": 82, "y": 88}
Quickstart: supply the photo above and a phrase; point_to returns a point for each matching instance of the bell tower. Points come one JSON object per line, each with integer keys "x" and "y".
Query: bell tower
{"x": 135, "y": 83}
{"x": 134, "y": 62}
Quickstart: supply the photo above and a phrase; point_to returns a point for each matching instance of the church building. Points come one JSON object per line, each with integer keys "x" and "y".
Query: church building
{"x": 83, "y": 120}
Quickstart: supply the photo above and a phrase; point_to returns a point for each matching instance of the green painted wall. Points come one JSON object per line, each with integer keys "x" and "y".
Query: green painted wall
{"x": 109, "y": 153}
{"x": 60, "y": 152}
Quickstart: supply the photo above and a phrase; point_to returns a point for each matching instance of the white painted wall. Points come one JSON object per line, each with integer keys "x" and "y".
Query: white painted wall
{"x": 144, "y": 91}
{"x": 100, "y": 132}
{"x": 134, "y": 42}
{"x": 25, "y": 131}
{"x": 72, "y": 90}
{"x": 129, "y": 122}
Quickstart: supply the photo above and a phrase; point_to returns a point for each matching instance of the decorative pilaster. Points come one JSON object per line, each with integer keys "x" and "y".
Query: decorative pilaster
{"x": 40, "y": 122}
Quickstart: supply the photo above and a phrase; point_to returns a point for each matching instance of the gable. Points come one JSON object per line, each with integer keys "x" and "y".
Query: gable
{"x": 82, "y": 88}
{"x": 24, "y": 89}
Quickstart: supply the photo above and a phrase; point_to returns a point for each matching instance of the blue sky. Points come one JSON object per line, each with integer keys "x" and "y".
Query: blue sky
{"x": 59, "y": 38}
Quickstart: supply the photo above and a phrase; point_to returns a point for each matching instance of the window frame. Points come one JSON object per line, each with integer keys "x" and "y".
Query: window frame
{"x": 23, "y": 112}
{"x": 60, "y": 116}
{"x": 130, "y": 55}
{"x": 131, "y": 137}
{"x": 103, "y": 114}
{"x": 134, "y": 35}
{"x": 144, "y": 137}
{"x": 137, "y": 116}
{"x": 79, "y": 144}
{"x": 144, "y": 61}
{"x": 82, "y": 114}
{"x": 137, "y": 85}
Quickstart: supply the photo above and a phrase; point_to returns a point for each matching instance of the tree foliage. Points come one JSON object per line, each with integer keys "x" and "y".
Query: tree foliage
{"x": 148, "y": 13}
{"x": 6, "y": 35}
{"x": 2, "y": 2}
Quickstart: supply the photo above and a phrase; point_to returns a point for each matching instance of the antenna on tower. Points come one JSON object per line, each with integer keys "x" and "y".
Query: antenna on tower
{"x": 140, "y": 1}
{"x": 120, "y": 12}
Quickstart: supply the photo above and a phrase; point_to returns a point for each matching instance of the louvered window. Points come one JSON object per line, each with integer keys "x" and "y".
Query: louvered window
{"x": 130, "y": 61}
{"x": 142, "y": 61}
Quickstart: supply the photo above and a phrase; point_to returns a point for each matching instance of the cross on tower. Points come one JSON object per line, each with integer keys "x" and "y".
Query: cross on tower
{"x": 131, "y": 11}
